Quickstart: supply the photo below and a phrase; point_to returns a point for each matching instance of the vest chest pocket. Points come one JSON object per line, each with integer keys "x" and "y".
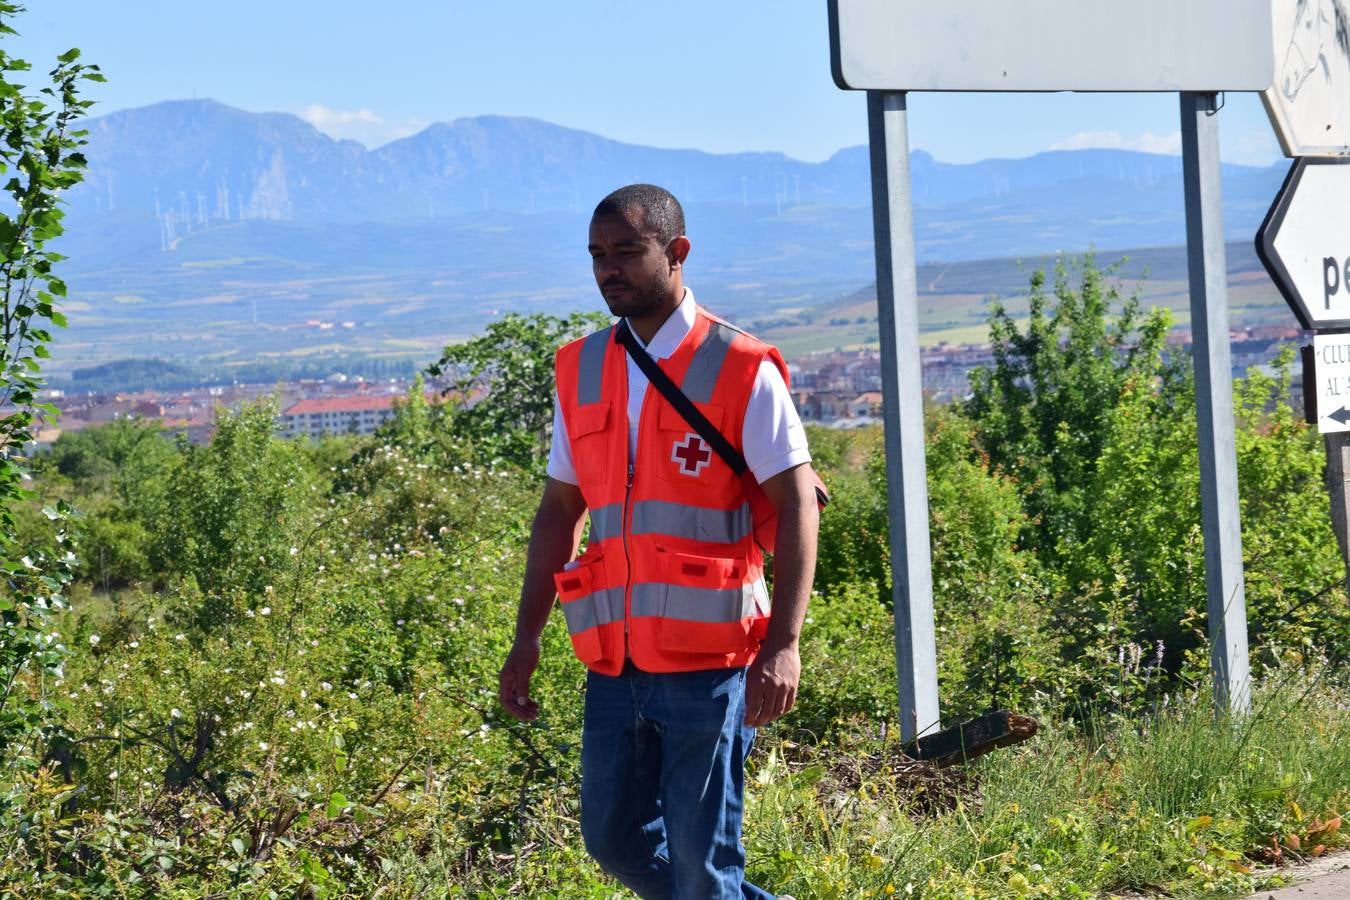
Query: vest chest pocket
{"x": 587, "y": 431}
{"x": 683, "y": 457}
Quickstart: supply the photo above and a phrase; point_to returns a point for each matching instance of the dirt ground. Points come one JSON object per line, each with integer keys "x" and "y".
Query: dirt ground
{"x": 1322, "y": 879}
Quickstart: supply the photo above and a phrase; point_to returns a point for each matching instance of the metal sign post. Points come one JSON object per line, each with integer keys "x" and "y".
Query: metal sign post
{"x": 1214, "y": 402}
{"x": 902, "y": 386}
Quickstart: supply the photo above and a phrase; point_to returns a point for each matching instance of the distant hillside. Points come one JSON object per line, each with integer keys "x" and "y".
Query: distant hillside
{"x": 173, "y": 169}
{"x": 205, "y": 230}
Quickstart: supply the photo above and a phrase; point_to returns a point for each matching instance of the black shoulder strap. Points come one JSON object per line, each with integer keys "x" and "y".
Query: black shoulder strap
{"x": 683, "y": 405}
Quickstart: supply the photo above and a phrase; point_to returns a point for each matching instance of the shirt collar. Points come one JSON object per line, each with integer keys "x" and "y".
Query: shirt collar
{"x": 673, "y": 330}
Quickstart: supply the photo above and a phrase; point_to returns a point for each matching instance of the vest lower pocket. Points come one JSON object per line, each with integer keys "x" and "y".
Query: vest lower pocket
{"x": 594, "y": 612}
{"x": 706, "y": 604}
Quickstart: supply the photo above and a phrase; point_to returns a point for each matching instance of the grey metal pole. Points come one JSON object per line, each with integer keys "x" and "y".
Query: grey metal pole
{"x": 902, "y": 389}
{"x": 1338, "y": 489}
{"x": 1214, "y": 402}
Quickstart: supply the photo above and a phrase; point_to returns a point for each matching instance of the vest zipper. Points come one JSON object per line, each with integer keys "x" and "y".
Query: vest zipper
{"x": 628, "y": 559}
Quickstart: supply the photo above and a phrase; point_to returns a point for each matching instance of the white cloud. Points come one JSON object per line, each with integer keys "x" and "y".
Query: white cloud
{"x": 364, "y": 125}
{"x": 1257, "y": 147}
{"x": 1148, "y": 142}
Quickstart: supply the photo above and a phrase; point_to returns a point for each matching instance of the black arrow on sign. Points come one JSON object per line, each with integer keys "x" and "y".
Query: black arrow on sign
{"x": 1341, "y": 415}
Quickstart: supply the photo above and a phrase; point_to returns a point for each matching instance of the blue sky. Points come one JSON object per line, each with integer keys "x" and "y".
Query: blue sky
{"x": 718, "y": 76}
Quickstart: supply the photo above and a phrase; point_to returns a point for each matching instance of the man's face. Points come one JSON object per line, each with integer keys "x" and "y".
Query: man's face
{"x": 632, "y": 268}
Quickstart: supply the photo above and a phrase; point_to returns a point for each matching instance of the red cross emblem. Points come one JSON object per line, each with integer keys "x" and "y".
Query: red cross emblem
{"x": 692, "y": 455}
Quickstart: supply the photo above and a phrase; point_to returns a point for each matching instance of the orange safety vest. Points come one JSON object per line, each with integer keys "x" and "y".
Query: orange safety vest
{"x": 671, "y": 576}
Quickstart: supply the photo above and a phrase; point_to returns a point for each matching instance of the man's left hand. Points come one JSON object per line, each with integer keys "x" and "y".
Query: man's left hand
{"x": 771, "y": 684}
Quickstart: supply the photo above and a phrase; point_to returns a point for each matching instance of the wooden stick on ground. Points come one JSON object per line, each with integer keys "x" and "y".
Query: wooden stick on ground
{"x": 974, "y": 738}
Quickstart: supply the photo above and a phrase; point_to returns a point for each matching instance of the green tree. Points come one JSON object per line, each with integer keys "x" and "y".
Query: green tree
{"x": 500, "y": 385}
{"x": 1043, "y": 410}
{"x": 232, "y": 512}
{"x": 115, "y": 475}
{"x": 987, "y": 590}
{"x": 40, "y": 152}
{"x": 1095, "y": 426}
{"x": 1144, "y": 546}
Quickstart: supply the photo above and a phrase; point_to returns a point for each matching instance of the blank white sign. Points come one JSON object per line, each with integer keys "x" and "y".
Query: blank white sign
{"x": 1052, "y": 45}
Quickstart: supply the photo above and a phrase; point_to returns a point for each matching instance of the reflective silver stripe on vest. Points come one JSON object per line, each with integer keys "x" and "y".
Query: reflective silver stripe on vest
{"x": 721, "y": 526}
{"x": 591, "y": 366}
{"x": 597, "y": 608}
{"x": 706, "y": 365}
{"x": 691, "y": 604}
{"x": 607, "y": 522}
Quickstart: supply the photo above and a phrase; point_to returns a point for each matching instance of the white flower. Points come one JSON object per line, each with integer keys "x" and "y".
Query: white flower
{"x": 180, "y": 637}
{"x": 266, "y": 611}
{"x": 325, "y": 685}
{"x": 295, "y": 551}
{"x": 134, "y": 644}
{"x": 176, "y": 713}
{"x": 94, "y": 639}
{"x": 263, "y": 745}
{"x": 112, "y": 776}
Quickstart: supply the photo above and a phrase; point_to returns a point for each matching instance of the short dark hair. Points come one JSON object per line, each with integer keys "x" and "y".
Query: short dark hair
{"x": 661, "y": 212}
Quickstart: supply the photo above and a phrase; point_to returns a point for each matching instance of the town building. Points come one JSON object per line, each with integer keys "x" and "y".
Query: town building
{"x": 354, "y": 414}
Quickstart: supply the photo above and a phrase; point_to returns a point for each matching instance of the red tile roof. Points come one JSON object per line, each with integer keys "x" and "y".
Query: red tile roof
{"x": 342, "y": 404}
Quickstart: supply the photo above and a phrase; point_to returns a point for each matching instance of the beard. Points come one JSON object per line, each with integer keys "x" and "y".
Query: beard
{"x": 636, "y": 301}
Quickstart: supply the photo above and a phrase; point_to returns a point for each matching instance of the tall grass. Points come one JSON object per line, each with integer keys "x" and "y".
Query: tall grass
{"x": 1183, "y": 803}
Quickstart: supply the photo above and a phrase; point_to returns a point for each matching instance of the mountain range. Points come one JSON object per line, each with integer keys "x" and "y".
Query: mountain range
{"x": 204, "y": 214}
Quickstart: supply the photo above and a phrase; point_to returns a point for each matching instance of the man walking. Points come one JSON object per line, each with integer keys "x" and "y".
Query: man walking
{"x": 667, "y": 606}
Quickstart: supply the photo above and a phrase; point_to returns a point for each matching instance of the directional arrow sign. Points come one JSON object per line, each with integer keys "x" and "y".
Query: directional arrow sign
{"x": 1305, "y": 242}
{"x": 1331, "y": 369}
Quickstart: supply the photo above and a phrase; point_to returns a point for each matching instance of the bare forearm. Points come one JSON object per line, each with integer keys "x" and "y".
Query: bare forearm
{"x": 553, "y": 542}
{"x": 794, "y": 567}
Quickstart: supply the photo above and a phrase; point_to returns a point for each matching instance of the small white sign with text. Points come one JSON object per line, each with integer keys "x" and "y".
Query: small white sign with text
{"x": 1331, "y": 355}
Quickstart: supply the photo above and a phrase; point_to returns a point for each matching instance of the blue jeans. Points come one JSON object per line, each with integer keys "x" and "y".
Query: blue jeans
{"x": 662, "y": 782}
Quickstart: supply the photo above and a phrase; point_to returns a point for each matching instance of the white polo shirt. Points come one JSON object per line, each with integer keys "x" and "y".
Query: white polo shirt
{"x": 772, "y": 437}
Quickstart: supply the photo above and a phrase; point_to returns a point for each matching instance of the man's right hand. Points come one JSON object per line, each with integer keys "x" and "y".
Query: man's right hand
{"x": 514, "y": 680}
